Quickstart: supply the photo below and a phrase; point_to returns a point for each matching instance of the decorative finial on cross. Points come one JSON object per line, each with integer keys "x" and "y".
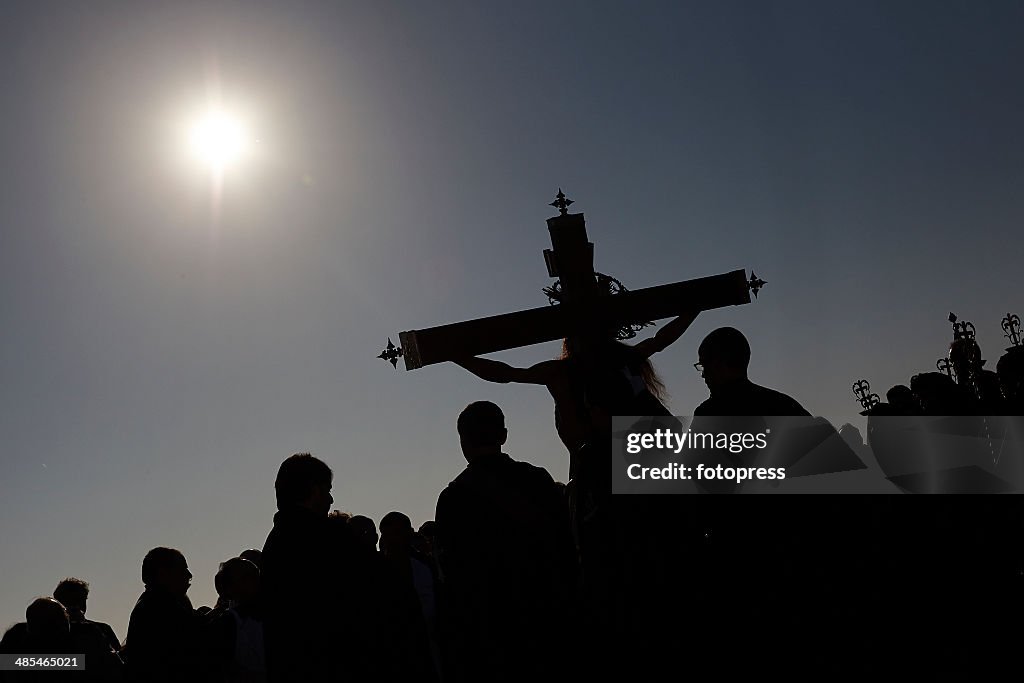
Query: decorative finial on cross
{"x": 867, "y": 400}
{"x": 392, "y": 353}
{"x": 561, "y": 203}
{"x": 963, "y": 329}
{"x": 945, "y": 366}
{"x": 755, "y": 283}
{"x": 1011, "y": 330}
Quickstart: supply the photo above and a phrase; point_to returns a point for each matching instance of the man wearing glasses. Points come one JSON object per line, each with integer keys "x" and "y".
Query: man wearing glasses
{"x": 723, "y": 358}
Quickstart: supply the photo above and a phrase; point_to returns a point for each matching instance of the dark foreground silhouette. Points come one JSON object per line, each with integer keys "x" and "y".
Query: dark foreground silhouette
{"x": 520, "y": 577}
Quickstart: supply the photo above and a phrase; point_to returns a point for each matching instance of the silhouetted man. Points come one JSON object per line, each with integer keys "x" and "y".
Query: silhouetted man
{"x": 364, "y": 532}
{"x": 723, "y": 359}
{"x": 801, "y": 550}
{"x": 1010, "y": 369}
{"x": 938, "y": 394}
{"x": 413, "y": 584}
{"x": 504, "y": 543}
{"x": 234, "y": 637}
{"x": 93, "y": 638}
{"x": 74, "y": 595}
{"x": 736, "y": 404}
{"x": 254, "y": 555}
{"x": 903, "y": 400}
{"x": 46, "y": 629}
{"x": 299, "y": 577}
{"x": 163, "y": 630}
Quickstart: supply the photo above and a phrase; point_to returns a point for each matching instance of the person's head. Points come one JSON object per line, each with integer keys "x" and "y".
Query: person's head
{"x": 253, "y": 555}
{"x": 237, "y": 580}
{"x": 903, "y": 400}
{"x": 395, "y": 533}
{"x": 73, "y": 594}
{"x": 339, "y": 516}
{"x": 46, "y": 617}
{"x": 723, "y": 357}
{"x": 428, "y": 530}
{"x": 304, "y": 481}
{"x": 481, "y": 430}
{"x": 420, "y": 544}
{"x": 166, "y": 569}
{"x": 1010, "y": 369}
{"x": 364, "y": 531}
{"x": 337, "y": 522}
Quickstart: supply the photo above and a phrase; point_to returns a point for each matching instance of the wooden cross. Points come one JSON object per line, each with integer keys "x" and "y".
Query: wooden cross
{"x": 582, "y": 305}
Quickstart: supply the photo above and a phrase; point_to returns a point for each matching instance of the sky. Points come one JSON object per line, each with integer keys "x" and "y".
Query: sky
{"x": 169, "y": 338}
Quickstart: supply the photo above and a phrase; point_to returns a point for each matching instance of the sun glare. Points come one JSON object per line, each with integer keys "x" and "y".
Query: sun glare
{"x": 218, "y": 139}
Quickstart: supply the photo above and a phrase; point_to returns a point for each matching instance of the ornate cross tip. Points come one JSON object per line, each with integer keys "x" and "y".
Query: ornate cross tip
{"x": 962, "y": 329}
{"x": 755, "y": 284}
{"x": 945, "y": 367}
{"x": 1011, "y": 330}
{"x": 561, "y": 203}
{"x": 862, "y": 390}
{"x": 392, "y": 353}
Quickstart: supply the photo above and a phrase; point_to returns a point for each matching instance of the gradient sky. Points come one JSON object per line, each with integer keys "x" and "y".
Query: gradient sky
{"x": 161, "y": 352}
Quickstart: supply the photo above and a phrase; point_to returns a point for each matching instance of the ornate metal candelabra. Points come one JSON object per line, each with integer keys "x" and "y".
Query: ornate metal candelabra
{"x": 1011, "y": 330}
{"x": 867, "y": 400}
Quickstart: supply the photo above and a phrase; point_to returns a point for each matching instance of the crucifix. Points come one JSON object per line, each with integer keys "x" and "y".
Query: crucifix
{"x": 582, "y": 301}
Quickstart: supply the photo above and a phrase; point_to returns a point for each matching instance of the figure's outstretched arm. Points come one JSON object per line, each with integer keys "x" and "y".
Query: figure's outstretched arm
{"x": 666, "y": 335}
{"x": 503, "y": 373}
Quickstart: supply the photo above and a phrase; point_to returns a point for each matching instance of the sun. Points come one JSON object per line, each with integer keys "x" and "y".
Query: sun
{"x": 219, "y": 139}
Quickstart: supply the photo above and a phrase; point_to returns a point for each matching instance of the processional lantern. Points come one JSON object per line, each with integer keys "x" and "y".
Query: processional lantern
{"x": 867, "y": 400}
{"x": 1011, "y": 330}
{"x": 965, "y": 355}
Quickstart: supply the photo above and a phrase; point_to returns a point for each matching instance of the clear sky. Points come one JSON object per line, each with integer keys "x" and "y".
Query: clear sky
{"x": 163, "y": 346}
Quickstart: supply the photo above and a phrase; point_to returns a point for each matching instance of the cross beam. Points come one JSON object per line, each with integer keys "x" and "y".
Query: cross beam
{"x": 583, "y": 307}
{"x": 547, "y": 323}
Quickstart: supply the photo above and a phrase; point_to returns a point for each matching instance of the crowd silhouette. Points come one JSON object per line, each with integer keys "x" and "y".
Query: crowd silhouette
{"x": 520, "y": 576}
{"x": 962, "y": 385}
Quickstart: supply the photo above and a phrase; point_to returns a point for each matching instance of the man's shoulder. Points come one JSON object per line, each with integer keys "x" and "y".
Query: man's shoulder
{"x": 778, "y": 402}
{"x": 452, "y": 489}
{"x": 292, "y": 530}
{"x": 476, "y": 484}
{"x": 89, "y": 635}
{"x": 510, "y": 471}
{"x": 157, "y": 602}
{"x": 532, "y": 473}
{"x": 98, "y": 624}
{"x": 14, "y": 638}
{"x": 141, "y": 613}
{"x": 753, "y": 399}
{"x": 145, "y": 601}
{"x": 451, "y": 494}
{"x": 104, "y": 628}
{"x": 273, "y": 540}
